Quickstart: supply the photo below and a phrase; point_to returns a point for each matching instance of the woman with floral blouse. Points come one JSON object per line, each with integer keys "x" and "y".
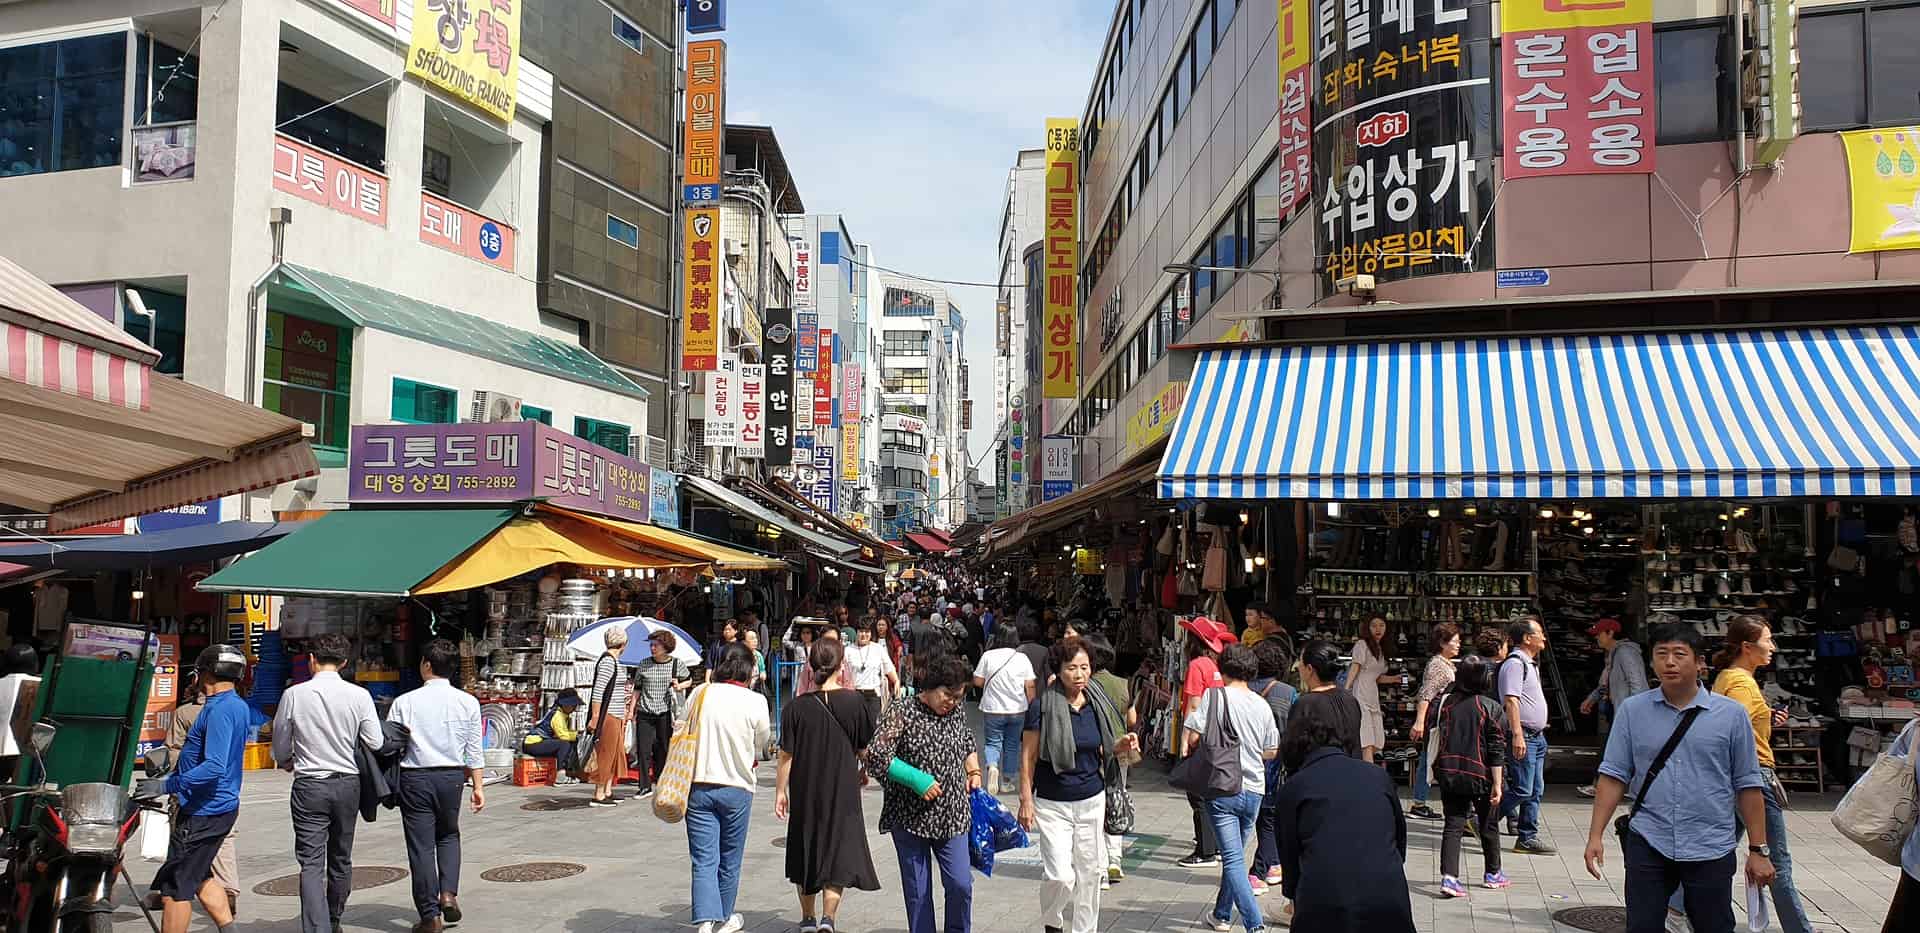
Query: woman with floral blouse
{"x": 921, "y": 738}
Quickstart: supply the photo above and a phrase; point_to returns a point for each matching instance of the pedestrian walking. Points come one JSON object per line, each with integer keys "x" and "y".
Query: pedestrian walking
{"x": 1749, "y": 647}
{"x": 1623, "y": 674}
{"x": 751, "y": 639}
{"x": 1688, "y": 759}
{"x": 1343, "y": 839}
{"x": 1444, "y": 642}
{"x": 1072, "y": 731}
{"x": 1274, "y": 657}
{"x": 1903, "y": 914}
{"x": 1205, "y": 639}
{"x": 443, "y": 753}
{"x": 1233, "y": 817}
{"x": 205, "y": 785}
{"x": 1526, "y": 704}
{"x": 553, "y": 737}
{"x": 1363, "y": 681}
{"x": 922, "y": 739}
{"x": 317, "y": 732}
{"x": 1100, "y": 649}
{"x": 1008, "y": 684}
{"x": 226, "y": 864}
{"x": 607, "y": 718}
{"x": 1470, "y": 742}
{"x": 874, "y": 676}
{"x": 732, "y": 727}
{"x": 655, "y": 682}
{"x": 818, "y": 792}
{"x": 729, "y": 633}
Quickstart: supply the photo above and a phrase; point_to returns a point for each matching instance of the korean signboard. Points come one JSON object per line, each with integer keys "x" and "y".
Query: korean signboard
{"x": 823, "y": 383}
{"x": 850, "y": 451}
{"x": 802, "y": 406}
{"x": 700, "y": 286}
{"x": 1577, "y": 86}
{"x": 381, "y": 10}
{"x": 1056, "y": 467}
{"x": 163, "y": 693}
{"x": 1060, "y": 361}
{"x": 470, "y": 49}
{"x": 776, "y": 347}
{"x": 803, "y": 276}
{"x": 806, "y": 353}
{"x": 723, "y": 402}
{"x": 1017, "y": 452}
{"x": 1883, "y": 173}
{"x": 704, "y": 16}
{"x": 821, "y": 491}
{"x": 1155, "y": 417}
{"x": 753, "y": 410}
{"x": 458, "y": 230}
{"x": 329, "y": 181}
{"x": 505, "y": 461}
{"x": 1295, "y": 162}
{"x": 853, "y": 384}
{"x": 705, "y": 120}
{"x": 1401, "y": 144}
{"x": 664, "y": 490}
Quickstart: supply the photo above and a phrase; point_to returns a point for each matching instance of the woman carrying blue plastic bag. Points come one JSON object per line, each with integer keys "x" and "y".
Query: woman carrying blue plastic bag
{"x": 925, "y": 759}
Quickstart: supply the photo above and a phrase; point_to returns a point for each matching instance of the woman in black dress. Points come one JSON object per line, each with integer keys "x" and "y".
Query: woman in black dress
{"x": 822, "y": 736}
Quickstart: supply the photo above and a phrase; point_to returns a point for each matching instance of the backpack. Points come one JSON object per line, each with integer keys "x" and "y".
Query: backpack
{"x": 1460, "y": 767}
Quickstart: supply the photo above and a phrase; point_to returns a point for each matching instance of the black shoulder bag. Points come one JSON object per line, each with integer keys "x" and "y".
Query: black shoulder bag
{"x": 1653, "y": 772}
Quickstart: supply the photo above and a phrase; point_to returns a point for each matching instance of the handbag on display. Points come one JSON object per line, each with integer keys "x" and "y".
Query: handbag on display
{"x": 1214, "y": 578}
{"x": 1166, "y": 543}
{"x": 1843, "y": 559}
{"x": 676, "y": 776}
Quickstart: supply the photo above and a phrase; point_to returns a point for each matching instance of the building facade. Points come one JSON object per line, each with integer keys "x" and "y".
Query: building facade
{"x": 923, "y": 450}
{"x": 1019, "y": 229}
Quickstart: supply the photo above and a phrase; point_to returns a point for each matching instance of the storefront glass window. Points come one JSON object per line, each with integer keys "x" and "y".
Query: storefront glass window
{"x": 608, "y": 434}
{"x": 166, "y": 87}
{"x": 61, "y": 105}
{"x": 1688, "y": 63}
{"x": 420, "y": 403}
{"x": 334, "y": 128}
{"x": 1893, "y": 37}
{"x": 1833, "y": 76}
{"x": 308, "y": 376}
{"x": 533, "y": 413}
{"x": 166, "y": 332}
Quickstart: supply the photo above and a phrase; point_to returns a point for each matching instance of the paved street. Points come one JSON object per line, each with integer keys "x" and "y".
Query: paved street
{"x": 636, "y": 876}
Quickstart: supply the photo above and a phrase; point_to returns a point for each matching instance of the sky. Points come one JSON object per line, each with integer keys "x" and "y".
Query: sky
{"x": 904, "y": 118}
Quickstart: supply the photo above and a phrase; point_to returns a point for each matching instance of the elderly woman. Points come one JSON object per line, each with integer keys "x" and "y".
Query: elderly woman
{"x": 732, "y": 724}
{"x": 607, "y": 720}
{"x": 655, "y": 681}
{"x": 924, "y": 755}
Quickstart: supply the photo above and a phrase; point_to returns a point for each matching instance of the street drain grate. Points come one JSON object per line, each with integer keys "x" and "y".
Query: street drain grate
{"x": 364, "y": 876}
{"x": 532, "y": 871}
{"x": 1593, "y": 919}
{"x": 549, "y": 804}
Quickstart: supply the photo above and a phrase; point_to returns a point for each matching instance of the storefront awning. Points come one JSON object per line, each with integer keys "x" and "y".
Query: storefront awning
{"x": 745, "y": 506}
{"x": 1752, "y": 413}
{"x": 196, "y": 544}
{"x": 927, "y": 542}
{"x": 690, "y": 548}
{"x": 361, "y": 553}
{"x": 529, "y": 543}
{"x": 1014, "y": 532}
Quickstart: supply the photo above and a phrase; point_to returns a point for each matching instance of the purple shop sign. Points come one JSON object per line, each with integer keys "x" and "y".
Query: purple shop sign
{"x": 508, "y": 461}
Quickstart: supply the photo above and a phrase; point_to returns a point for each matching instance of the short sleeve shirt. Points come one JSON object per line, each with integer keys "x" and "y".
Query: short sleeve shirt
{"x": 1252, "y": 721}
{"x": 1520, "y": 677}
{"x": 1083, "y": 779}
{"x": 1690, "y": 813}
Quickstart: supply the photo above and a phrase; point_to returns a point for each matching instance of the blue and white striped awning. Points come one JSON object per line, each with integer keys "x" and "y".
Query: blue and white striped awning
{"x": 1788, "y": 412}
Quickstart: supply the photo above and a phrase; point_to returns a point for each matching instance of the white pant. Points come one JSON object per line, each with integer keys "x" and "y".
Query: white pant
{"x": 1073, "y": 856}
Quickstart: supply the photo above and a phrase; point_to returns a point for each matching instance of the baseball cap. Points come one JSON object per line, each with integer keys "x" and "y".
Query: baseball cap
{"x": 1610, "y": 626}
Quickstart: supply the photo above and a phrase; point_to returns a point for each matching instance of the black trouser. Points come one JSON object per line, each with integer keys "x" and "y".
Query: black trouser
{"x": 872, "y": 699}
{"x": 324, "y": 810}
{"x": 430, "y": 817}
{"x": 1652, "y": 878}
{"x": 561, "y": 753}
{"x": 1463, "y": 811}
{"x": 1903, "y": 914}
{"x": 650, "y": 734}
{"x": 1205, "y": 843}
{"x": 1266, "y": 829}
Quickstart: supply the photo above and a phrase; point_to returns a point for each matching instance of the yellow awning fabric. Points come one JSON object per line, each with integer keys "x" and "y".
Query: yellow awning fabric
{"x": 527, "y": 544}
{"x": 674, "y": 543}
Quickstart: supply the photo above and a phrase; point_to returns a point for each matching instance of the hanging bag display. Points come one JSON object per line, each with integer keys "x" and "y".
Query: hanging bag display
{"x": 676, "y": 777}
{"x": 1214, "y": 579}
{"x": 1189, "y": 581}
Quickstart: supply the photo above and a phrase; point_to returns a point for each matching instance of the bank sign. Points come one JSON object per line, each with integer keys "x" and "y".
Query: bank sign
{"x": 509, "y": 461}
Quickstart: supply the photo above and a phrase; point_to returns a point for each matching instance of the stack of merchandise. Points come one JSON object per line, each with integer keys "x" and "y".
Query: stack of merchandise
{"x": 269, "y": 673}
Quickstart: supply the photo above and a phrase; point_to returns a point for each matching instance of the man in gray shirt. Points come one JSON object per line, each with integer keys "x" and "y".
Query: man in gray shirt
{"x": 1526, "y": 705}
{"x": 315, "y": 733}
{"x": 1623, "y": 675}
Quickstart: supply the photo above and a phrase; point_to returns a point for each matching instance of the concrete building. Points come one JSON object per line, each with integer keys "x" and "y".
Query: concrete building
{"x": 836, "y": 302}
{"x": 309, "y": 232}
{"x": 1019, "y": 228}
{"x": 923, "y": 451}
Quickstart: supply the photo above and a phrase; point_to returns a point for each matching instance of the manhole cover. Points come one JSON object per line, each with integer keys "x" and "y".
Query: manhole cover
{"x": 1593, "y": 919}
{"x": 546, "y": 804}
{"x": 364, "y": 876}
{"x": 532, "y": 871}
{"x": 780, "y": 843}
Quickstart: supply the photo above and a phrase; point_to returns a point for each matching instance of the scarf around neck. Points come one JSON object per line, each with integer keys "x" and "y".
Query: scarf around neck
{"x": 1056, "y": 724}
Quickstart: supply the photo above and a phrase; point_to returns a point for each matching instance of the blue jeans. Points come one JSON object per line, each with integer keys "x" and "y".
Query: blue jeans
{"x": 1002, "y": 745}
{"x": 1526, "y": 787}
{"x": 1233, "y": 819}
{"x": 917, "y": 858}
{"x": 716, "y": 841}
{"x": 1786, "y": 900}
{"x": 1420, "y": 775}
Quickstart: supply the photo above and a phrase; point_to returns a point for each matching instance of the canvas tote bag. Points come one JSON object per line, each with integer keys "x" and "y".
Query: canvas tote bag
{"x": 676, "y": 776}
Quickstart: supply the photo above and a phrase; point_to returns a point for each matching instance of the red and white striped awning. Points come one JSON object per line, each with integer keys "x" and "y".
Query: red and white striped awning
{"x": 72, "y": 368}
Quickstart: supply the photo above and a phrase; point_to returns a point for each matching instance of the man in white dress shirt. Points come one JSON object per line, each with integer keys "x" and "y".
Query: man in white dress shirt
{"x": 443, "y": 752}
{"x": 316, "y": 733}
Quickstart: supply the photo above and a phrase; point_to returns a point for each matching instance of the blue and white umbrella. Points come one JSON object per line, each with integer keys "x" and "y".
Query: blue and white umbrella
{"x": 591, "y": 642}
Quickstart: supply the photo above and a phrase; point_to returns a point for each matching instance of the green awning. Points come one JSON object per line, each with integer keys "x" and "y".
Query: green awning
{"x": 425, "y": 321}
{"x": 360, "y": 553}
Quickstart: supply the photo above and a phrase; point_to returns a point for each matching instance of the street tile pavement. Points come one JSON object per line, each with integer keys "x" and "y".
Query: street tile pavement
{"x": 636, "y": 872}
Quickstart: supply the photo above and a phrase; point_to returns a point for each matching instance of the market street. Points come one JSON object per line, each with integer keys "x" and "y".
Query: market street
{"x": 635, "y": 876}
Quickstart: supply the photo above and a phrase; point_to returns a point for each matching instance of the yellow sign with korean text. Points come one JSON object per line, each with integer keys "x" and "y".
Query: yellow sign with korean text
{"x": 1155, "y": 417}
{"x": 850, "y": 450}
{"x": 470, "y": 49}
{"x": 1060, "y": 352}
{"x": 700, "y": 291}
{"x": 1517, "y": 16}
{"x": 1883, "y": 174}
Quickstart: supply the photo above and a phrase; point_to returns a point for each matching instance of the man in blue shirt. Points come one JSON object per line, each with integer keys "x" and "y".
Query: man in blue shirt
{"x": 1682, "y": 833}
{"x": 206, "y": 781}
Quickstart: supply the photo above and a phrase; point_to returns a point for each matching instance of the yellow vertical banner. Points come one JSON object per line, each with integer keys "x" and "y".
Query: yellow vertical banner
{"x": 470, "y": 49}
{"x": 1061, "y": 260}
{"x": 850, "y": 450}
{"x": 1883, "y": 177}
{"x": 700, "y": 291}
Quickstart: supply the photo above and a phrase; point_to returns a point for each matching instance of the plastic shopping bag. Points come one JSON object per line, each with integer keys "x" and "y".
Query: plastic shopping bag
{"x": 154, "y": 830}
{"x": 994, "y": 830}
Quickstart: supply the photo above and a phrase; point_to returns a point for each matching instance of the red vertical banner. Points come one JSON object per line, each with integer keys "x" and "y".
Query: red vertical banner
{"x": 1577, "y": 87}
{"x": 823, "y": 383}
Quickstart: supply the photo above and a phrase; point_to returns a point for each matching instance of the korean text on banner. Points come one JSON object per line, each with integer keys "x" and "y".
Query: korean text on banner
{"x": 850, "y": 451}
{"x": 699, "y": 289}
{"x": 1061, "y": 257}
{"x": 706, "y": 119}
{"x": 329, "y": 181}
{"x": 822, "y": 492}
{"x": 802, "y": 407}
{"x": 1577, "y": 87}
{"x": 723, "y": 402}
{"x": 470, "y": 49}
{"x": 498, "y": 461}
{"x": 1883, "y": 174}
{"x": 823, "y": 383}
{"x": 776, "y": 347}
{"x": 1296, "y": 104}
{"x": 803, "y": 276}
{"x": 459, "y": 230}
{"x": 1056, "y": 467}
{"x": 753, "y": 410}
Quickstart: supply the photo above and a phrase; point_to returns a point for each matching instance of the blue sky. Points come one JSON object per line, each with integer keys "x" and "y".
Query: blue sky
{"x": 905, "y": 117}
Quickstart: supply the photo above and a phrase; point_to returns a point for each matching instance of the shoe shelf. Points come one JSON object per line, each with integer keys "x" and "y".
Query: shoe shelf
{"x": 1797, "y": 759}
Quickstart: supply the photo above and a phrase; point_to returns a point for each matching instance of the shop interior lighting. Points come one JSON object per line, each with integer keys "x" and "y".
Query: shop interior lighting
{"x": 1333, "y": 510}
{"x": 1547, "y": 512}
{"x": 1589, "y": 529}
{"x": 139, "y": 594}
{"x": 1248, "y": 562}
{"x": 1471, "y": 510}
{"x": 1259, "y": 560}
{"x": 1433, "y": 511}
{"x": 1723, "y": 516}
{"x": 1066, "y": 548}
{"x": 1244, "y": 517}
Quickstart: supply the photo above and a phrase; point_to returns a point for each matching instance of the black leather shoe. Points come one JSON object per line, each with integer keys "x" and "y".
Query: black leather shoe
{"x": 450, "y": 908}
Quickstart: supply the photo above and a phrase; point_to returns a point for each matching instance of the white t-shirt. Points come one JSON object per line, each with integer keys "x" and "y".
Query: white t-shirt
{"x": 734, "y": 725}
{"x": 1007, "y": 673}
{"x": 870, "y": 665}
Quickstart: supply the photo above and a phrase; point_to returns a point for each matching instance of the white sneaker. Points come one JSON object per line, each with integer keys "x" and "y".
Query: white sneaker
{"x": 1215, "y": 924}
{"x": 1677, "y": 922}
{"x": 1585, "y": 790}
{"x": 734, "y": 924}
{"x": 706, "y": 926}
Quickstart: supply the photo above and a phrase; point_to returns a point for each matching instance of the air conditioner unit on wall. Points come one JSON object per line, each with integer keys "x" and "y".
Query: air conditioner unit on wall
{"x": 495, "y": 406}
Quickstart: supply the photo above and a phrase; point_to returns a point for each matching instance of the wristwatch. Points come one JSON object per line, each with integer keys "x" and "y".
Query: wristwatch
{"x": 1762, "y": 851}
